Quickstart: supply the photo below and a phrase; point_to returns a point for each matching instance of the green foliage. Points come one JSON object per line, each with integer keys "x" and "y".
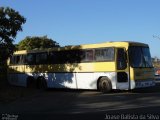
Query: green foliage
{"x": 30, "y": 43}
{"x": 10, "y": 23}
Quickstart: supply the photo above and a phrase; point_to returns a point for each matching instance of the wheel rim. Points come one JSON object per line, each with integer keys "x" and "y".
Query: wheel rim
{"x": 104, "y": 86}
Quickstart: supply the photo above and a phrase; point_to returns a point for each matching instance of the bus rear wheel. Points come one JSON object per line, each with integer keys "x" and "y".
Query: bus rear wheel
{"x": 41, "y": 83}
{"x": 30, "y": 82}
{"x": 104, "y": 85}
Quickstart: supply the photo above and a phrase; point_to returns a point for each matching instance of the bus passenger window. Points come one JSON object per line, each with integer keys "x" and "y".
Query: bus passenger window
{"x": 41, "y": 58}
{"x": 12, "y": 60}
{"x": 18, "y": 59}
{"x": 88, "y": 55}
{"x": 52, "y": 57}
{"x": 104, "y": 54}
{"x": 30, "y": 59}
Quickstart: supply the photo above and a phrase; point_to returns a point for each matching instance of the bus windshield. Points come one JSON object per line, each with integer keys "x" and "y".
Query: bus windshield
{"x": 140, "y": 57}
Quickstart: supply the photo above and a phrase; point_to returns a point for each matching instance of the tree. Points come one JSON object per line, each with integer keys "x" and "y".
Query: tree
{"x": 10, "y": 23}
{"x": 30, "y": 43}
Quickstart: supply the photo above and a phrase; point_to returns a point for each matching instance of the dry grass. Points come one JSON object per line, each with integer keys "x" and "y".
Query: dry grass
{"x": 157, "y": 65}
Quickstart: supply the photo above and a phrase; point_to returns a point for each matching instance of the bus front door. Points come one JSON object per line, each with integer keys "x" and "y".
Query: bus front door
{"x": 122, "y": 70}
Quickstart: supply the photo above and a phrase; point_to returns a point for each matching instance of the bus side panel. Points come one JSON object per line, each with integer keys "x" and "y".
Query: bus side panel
{"x": 17, "y": 79}
{"x": 78, "y": 80}
{"x": 62, "y": 80}
{"x": 89, "y": 80}
{"x": 86, "y": 81}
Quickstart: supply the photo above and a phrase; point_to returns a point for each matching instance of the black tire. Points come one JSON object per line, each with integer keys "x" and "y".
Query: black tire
{"x": 104, "y": 85}
{"x": 31, "y": 82}
{"x": 41, "y": 83}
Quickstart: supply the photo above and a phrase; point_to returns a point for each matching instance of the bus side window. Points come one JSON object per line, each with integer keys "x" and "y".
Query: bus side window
{"x": 73, "y": 56}
{"x": 12, "y": 62}
{"x": 51, "y": 57}
{"x": 88, "y": 56}
{"x": 121, "y": 59}
{"x": 41, "y": 58}
{"x": 17, "y": 60}
{"x": 78, "y": 56}
{"x": 30, "y": 59}
{"x": 57, "y": 57}
{"x": 104, "y": 54}
{"x": 23, "y": 59}
{"x": 62, "y": 57}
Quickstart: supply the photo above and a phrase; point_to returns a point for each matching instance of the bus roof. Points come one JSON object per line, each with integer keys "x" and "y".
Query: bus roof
{"x": 86, "y": 46}
{"x": 111, "y": 44}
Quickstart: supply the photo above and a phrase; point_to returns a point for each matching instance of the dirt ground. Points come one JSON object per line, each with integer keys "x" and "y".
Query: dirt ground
{"x": 10, "y": 93}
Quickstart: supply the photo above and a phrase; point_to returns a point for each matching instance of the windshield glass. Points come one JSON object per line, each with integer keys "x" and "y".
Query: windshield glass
{"x": 140, "y": 57}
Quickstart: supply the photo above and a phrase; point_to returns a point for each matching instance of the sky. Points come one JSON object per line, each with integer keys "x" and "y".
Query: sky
{"x": 74, "y": 22}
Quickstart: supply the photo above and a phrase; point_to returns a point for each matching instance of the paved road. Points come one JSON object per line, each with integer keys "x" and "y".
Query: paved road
{"x": 73, "y": 104}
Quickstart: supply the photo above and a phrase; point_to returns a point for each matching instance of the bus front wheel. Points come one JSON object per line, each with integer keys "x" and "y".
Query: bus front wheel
{"x": 104, "y": 85}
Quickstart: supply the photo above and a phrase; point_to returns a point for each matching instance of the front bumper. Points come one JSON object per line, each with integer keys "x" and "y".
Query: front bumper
{"x": 144, "y": 83}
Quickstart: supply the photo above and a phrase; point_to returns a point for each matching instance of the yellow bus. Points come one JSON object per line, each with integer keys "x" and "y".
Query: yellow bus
{"x": 104, "y": 67}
